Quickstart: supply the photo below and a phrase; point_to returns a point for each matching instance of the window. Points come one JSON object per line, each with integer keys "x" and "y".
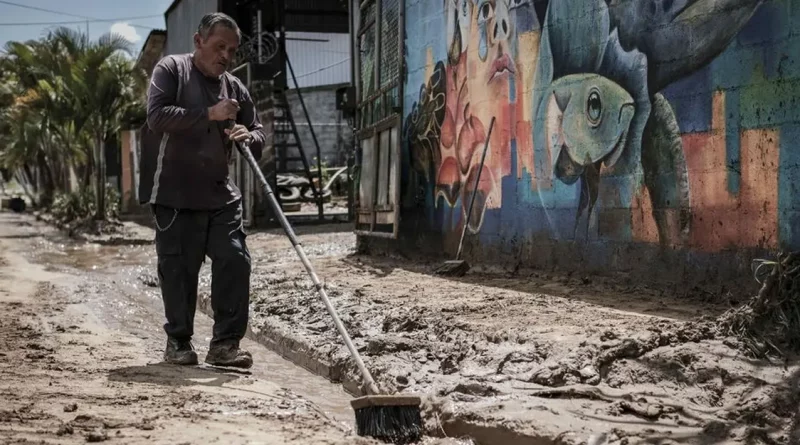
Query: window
{"x": 380, "y": 60}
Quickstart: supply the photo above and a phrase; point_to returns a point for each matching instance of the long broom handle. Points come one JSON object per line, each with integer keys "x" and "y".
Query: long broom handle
{"x": 245, "y": 150}
{"x": 474, "y": 192}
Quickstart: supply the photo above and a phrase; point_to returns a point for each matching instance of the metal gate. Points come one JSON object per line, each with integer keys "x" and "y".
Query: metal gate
{"x": 378, "y": 47}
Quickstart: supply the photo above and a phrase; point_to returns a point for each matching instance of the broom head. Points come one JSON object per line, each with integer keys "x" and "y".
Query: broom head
{"x": 453, "y": 268}
{"x": 390, "y": 418}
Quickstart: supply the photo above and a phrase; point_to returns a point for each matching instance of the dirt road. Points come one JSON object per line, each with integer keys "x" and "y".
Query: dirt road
{"x": 539, "y": 359}
{"x": 71, "y": 372}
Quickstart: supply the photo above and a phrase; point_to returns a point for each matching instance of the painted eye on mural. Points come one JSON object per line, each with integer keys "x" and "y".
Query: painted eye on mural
{"x": 518, "y": 3}
{"x": 594, "y": 108}
{"x": 486, "y": 12}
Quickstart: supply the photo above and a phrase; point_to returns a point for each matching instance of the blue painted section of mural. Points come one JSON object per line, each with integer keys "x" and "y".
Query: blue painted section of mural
{"x": 788, "y": 186}
{"x": 687, "y": 138}
{"x": 691, "y": 99}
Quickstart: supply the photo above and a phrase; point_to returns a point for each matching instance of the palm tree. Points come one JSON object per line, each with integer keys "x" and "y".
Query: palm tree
{"x": 72, "y": 95}
{"x": 103, "y": 84}
{"x": 44, "y": 104}
{"x": 28, "y": 142}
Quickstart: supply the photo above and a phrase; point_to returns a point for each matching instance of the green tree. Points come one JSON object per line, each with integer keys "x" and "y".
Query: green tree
{"x": 61, "y": 98}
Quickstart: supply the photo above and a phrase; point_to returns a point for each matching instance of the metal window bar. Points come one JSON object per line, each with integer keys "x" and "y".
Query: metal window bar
{"x": 380, "y": 48}
{"x": 389, "y": 42}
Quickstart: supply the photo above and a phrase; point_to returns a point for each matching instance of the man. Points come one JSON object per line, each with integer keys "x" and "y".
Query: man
{"x": 192, "y": 101}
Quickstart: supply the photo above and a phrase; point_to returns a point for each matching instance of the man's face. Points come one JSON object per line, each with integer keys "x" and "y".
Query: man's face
{"x": 215, "y": 53}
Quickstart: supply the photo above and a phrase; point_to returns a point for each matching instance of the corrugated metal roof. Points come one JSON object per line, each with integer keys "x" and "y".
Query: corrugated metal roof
{"x": 182, "y": 20}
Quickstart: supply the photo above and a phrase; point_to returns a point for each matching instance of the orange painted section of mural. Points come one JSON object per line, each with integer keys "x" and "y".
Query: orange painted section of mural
{"x": 721, "y": 219}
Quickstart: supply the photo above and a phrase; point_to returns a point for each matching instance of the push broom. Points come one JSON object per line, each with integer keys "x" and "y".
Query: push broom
{"x": 459, "y": 267}
{"x": 390, "y": 418}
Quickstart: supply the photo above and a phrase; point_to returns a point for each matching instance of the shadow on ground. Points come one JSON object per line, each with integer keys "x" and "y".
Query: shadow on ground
{"x": 608, "y": 291}
{"x": 173, "y": 375}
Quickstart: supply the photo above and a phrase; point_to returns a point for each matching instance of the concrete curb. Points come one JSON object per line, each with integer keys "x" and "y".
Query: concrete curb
{"x": 293, "y": 349}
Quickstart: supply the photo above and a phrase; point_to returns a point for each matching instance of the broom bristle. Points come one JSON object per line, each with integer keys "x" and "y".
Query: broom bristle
{"x": 394, "y": 419}
{"x": 453, "y": 268}
{"x": 393, "y": 424}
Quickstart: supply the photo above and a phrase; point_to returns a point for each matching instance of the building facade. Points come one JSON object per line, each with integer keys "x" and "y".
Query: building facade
{"x": 640, "y": 136}
{"x": 318, "y": 48}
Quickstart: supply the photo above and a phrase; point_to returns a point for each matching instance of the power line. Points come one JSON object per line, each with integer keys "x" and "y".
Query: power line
{"x": 84, "y": 17}
{"x": 323, "y": 68}
{"x": 43, "y": 9}
{"x": 120, "y": 19}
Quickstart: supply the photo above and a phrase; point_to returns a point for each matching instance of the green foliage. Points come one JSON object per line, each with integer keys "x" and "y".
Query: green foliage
{"x": 73, "y": 208}
{"x": 61, "y": 97}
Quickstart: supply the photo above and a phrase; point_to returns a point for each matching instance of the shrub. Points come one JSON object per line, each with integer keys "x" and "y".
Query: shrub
{"x": 76, "y": 207}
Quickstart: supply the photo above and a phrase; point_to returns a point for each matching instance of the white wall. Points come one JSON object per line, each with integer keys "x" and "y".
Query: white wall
{"x": 319, "y": 63}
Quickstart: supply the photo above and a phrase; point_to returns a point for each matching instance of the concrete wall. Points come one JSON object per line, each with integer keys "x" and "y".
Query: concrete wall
{"x": 333, "y": 132}
{"x": 658, "y": 138}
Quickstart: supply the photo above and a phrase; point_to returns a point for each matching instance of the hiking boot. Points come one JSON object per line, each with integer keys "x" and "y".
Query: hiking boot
{"x": 229, "y": 355}
{"x": 180, "y": 352}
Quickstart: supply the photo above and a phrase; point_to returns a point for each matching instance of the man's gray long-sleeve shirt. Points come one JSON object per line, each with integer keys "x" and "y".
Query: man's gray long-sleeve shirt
{"x": 194, "y": 152}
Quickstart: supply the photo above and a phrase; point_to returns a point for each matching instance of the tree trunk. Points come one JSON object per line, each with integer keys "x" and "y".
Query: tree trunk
{"x": 100, "y": 162}
{"x": 87, "y": 169}
{"x": 48, "y": 186}
{"x": 24, "y": 178}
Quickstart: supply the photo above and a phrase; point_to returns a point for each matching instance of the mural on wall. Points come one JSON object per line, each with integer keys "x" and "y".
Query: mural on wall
{"x": 587, "y": 142}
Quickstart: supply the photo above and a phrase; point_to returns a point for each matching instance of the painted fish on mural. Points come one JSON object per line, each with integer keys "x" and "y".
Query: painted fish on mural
{"x": 593, "y": 115}
{"x": 588, "y": 118}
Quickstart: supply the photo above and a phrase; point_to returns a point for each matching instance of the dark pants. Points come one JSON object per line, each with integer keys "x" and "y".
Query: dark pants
{"x": 183, "y": 239}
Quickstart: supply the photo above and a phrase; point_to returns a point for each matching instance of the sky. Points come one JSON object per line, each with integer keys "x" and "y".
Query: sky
{"x": 25, "y": 22}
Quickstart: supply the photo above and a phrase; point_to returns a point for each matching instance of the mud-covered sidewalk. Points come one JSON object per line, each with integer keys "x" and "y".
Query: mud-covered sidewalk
{"x": 535, "y": 359}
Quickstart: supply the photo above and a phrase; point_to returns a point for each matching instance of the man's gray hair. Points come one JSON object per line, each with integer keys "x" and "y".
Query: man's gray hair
{"x": 209, "y": 21}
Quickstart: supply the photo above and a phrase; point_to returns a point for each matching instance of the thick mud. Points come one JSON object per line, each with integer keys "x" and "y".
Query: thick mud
{"x": 499, "y": 359}
{"x": 539, "y": 359}
{"x": 67, "y": 377}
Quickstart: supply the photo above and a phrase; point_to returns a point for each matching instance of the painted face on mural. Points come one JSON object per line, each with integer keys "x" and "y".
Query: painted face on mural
{"x": 495, "y": 31}
{"x": 483, "y": 69}
{"x": 458, "y": 14}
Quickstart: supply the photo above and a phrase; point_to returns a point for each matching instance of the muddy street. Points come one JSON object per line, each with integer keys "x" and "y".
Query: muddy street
{"x": 542, "y": 358}
{"x": 80, "y": 347}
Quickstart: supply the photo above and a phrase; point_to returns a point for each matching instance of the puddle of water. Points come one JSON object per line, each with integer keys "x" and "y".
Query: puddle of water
{"x": 93, "y": 257}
